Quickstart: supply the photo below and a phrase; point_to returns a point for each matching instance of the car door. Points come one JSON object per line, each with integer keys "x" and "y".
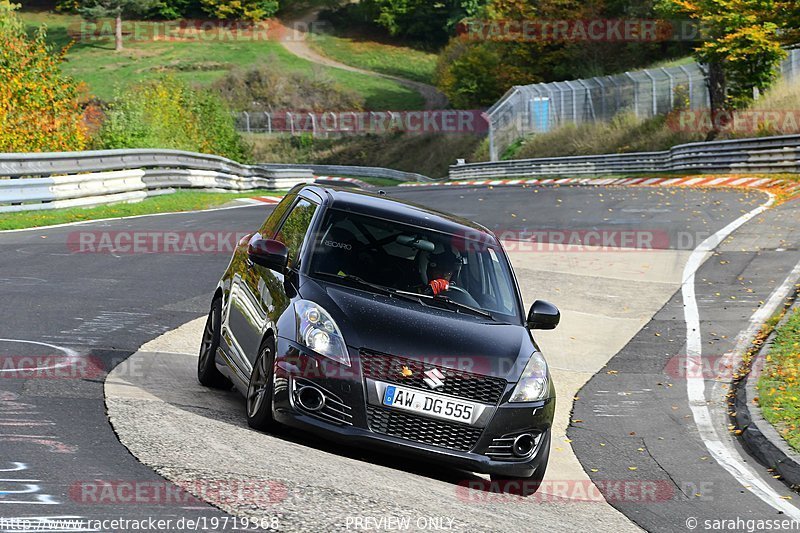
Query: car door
{"x": 242, "y": 319}
{"x": 258, "y": 295}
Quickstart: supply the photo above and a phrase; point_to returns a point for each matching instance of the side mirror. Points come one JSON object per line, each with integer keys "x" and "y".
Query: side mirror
{"x": 543, "y": 315}
{"x": 268, "y": 253}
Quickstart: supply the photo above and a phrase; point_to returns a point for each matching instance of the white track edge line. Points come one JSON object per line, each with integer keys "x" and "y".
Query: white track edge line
{"x": 726, "y": 456}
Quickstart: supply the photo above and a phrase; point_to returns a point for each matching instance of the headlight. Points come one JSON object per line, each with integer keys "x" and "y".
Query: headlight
{"x": 533, "y": 385}
{"x": 317, "y": 330}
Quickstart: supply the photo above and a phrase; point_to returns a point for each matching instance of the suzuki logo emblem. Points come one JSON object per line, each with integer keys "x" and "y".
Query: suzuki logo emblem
{"x": 433, "y": 378}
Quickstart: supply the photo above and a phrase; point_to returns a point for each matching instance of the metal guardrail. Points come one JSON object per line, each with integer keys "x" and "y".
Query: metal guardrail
{"x": 757, "y": 155}
{"x": 357, "y": 172}
{"x": 40, "y": 181}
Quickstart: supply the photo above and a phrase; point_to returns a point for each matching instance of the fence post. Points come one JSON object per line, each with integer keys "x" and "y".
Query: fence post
{"x": 671, "y": 89}
{"x": 690, "y": 82}
{"x": 574, "y": 102}
{"x": 603, "y": 106}
{"x": 588, "y": 99}
{"x": 313, "y": 124}
{"x": 552, "y": 115}
{"x": 653, "y": 93}
{"x": 492, "y": 147}
{"x": 617, "y": 92}
{"x": 635, "y": 94}
{"x": 269, "y": 121}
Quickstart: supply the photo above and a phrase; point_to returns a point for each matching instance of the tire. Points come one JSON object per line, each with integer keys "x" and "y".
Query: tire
{"x": 524, "y": 486}
{"x": 207, "y": 373}
{"x": 259, "y": 390}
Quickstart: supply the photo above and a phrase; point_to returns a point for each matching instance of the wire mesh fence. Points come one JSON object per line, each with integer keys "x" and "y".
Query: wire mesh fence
{"x": 540, "y": 107}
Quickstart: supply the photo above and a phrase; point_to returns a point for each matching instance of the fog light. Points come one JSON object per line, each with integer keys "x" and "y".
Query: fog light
{"x": 524, "y": 445}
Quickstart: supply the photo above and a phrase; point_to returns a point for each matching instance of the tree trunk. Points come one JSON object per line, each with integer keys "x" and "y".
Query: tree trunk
{"x": 118, "y": 32}
{"x": 716, "y": 95}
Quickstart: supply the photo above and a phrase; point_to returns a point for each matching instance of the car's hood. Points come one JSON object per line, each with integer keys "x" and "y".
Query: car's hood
{"x": 434, "y": 336}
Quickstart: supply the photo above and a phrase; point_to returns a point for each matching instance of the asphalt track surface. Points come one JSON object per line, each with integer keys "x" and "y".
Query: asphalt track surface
{"x": 55, "y": 432}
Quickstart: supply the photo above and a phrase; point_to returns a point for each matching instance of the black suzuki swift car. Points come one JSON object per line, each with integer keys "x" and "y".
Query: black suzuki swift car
{"x": 386, "y": 324}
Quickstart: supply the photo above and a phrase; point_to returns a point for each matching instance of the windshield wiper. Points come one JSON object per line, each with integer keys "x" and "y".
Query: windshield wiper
{"x": 454, "y": 305}
{"x": 380, "y": 289}
{"x": 422, "y": 299}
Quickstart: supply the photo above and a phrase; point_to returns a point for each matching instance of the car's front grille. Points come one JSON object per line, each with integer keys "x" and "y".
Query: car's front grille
{"x": 411, "y": 373}
{"x": 425, "y": 430}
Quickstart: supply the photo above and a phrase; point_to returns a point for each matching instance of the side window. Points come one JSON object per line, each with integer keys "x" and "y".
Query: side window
{"x": 270, "y": 226}
{"x": 294, "y": 229}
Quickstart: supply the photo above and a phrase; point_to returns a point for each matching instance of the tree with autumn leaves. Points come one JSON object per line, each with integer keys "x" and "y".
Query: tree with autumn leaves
{"x": 39, "y": 109}
{"x": 742, "y": 44}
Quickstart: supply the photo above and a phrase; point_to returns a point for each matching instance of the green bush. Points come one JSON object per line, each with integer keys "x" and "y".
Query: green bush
{"x": 240, "y": 9}
{"x": 167, "y": 113}
{"x": 263, "y": 88}
{"x": 174, "y": 9}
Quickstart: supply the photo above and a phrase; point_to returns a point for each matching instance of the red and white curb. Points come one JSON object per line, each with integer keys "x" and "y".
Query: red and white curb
{"x": 354, "y": 181}
{"x": 273, "y": 200}
{"x": 270, "y": 200}
{"x": 791, "y": 187}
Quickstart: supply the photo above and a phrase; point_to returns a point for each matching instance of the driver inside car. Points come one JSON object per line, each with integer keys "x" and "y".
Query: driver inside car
{"x": 442, "y": 268}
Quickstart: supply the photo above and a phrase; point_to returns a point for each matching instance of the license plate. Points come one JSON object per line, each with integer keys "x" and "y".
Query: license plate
{"x": 429, "y": 404}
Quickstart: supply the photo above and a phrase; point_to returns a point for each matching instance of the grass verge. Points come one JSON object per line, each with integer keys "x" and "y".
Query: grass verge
{"x": 202, "y": 60}
{"x": 169, "y": 203}
{"x": 394, "y": 60}
{"x": 778, "y": 386}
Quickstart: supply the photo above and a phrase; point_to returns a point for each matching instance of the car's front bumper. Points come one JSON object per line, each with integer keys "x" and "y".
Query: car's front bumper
{"x": 358, "y": 425}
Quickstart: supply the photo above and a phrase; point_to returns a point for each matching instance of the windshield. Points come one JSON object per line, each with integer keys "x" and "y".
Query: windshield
{"x": 437, "y": 266}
